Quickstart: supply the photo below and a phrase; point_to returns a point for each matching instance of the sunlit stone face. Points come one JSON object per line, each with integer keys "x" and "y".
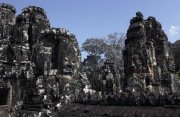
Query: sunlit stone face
{"x": 67, "y": 56}
{"x": 135, "y": 63}
{"x": 70, "y": 66}
{"x": 67, "y": 69}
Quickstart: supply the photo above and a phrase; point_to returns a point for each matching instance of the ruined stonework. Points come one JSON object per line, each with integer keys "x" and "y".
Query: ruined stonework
{"x": 176, "y": 49}
{"x": 109, "y": 78}
{"x": 6, "y": 57}
{"x": 39, "y": 65}
{"x": 148, "y": 58}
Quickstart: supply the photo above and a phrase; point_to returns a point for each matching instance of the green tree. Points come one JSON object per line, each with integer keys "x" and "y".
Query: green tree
{"x": 114, "y": 48}
{"x": 90, "y": 65}
{"x": 95, "y": 48}
{"x": 178, "y": 74}
{"x": 101, "y": 49}
{"x": 176, "y": 49}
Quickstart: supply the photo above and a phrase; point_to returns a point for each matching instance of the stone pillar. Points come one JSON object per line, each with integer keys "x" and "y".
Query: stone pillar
{"x": 9, "y": 101}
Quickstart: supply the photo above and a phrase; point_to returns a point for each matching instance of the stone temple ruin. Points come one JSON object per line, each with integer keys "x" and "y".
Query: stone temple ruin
{"x": 109, "y": 78}
{"x": 40, "y": 66}
{"x": 148, "y": 59}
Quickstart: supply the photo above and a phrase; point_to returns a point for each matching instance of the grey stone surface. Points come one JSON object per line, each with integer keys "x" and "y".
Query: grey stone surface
{"x": 148, "y": 57}
{"x": 109, "y": 78}
{"x": 40, "y": 66}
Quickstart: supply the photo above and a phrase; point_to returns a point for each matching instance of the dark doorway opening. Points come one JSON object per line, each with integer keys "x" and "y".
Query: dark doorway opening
{"x": 4, "y": 96}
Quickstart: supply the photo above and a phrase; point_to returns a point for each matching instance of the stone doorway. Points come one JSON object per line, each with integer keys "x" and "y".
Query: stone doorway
{"x": 4, "y": 96}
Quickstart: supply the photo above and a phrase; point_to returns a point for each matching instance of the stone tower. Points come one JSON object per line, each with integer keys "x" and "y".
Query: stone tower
{"x": 7, "y": 16}
{"x": 38, "y": 64}
{"x": 31, "y": 38}
{"x": 66, "y": 54}
{"x": 148, "y": 58}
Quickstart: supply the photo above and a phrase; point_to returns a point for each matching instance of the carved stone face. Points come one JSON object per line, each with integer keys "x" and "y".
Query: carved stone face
{"x": 66, "y": 55}
{"x": 70, "y": 64}
{"x": 171, "y": 65}
{"x": 135, "y": 62}
{"x": 68, "y": 69}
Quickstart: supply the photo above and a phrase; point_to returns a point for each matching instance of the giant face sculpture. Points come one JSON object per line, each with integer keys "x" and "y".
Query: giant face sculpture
{"x": 70, "y": 65}
{"x": 68, "y": 62}
{"x": 67, "y": 69}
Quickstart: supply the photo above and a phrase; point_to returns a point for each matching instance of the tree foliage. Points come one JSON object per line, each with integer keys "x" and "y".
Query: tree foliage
{"x": 94, "y": 46}
{"x": 178, "y": 74}
{"x": 100, "y": 49}
{"x": 114, "y": 48}
{"x": 90, "y": 65}
{"x": 176, "y": 49}
{"x": 110, "y": 47}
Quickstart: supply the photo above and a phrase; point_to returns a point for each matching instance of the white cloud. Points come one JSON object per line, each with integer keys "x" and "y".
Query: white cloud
{"x": 173, "y": 30}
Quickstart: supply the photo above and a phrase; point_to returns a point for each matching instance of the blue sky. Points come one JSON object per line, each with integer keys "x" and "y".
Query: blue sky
{"x": 98, "y": 18}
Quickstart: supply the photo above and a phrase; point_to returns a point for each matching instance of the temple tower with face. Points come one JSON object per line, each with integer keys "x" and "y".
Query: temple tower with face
{"x": 38, "y": 64}
{"x": 7, "y": 20}
{"x": 148, "y": 57}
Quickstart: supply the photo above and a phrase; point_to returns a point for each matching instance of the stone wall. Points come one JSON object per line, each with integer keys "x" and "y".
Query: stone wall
{"x": 109, "y": 78}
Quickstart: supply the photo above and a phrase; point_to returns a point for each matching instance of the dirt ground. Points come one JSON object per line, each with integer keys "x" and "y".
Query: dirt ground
{"x": 81, "y": 110}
